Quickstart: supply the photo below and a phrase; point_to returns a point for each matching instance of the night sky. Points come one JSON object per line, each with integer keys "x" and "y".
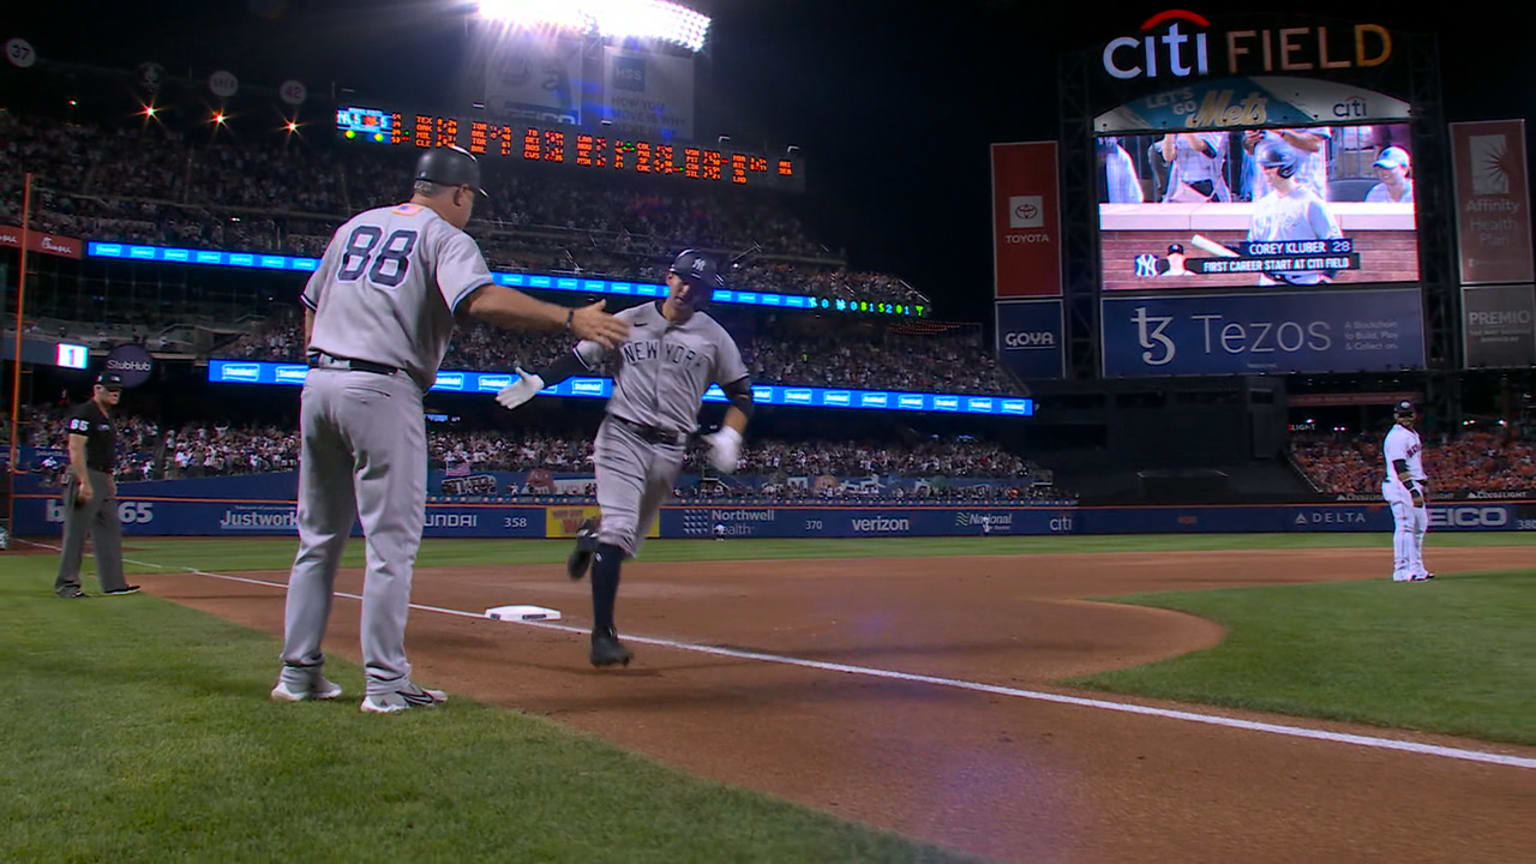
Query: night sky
{"x": 893, "y": 103}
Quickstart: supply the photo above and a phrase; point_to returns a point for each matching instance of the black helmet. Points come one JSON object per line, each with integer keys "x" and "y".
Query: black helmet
{"x": 1403, "y": 409}
{"x": 450, "y": 166}
{"x": 1278, "y": 154}
{"x": 693, "y": 267}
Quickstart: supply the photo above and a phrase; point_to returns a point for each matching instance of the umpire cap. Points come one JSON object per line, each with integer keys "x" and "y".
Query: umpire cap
{"x": 693, "y": 267}
{"x": 450, "y": 166}
{"x": 110, "y": 381}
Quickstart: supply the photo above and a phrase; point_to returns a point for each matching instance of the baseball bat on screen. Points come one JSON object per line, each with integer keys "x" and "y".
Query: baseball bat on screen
{"x": 1212, "y": 246}
{"x": 1219, "y": 250}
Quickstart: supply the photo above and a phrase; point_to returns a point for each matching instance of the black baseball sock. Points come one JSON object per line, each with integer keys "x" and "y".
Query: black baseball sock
{"x": 605, "y": 585}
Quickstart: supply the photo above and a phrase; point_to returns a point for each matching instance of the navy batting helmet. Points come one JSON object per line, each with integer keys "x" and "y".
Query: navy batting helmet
{"x": 450, "y": 166}
{"x": 1278, "y": 154}
{"x": 694, "y": 267}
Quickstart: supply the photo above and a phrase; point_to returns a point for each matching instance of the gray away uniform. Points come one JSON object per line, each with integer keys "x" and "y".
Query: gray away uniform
{"x": 663, "y": 371}
{"x": 384, "y": 294}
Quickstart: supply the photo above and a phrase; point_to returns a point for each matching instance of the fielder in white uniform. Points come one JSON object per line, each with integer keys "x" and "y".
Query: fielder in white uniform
{"x": 1406, "y": 490}
{"x": 378, "y": 313}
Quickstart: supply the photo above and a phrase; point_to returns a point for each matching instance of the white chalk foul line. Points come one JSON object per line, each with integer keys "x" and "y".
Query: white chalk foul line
{"x": 959, "y": 684}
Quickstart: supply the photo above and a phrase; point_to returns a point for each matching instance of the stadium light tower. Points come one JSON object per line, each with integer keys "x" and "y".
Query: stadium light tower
{"x": 617, "y": 19}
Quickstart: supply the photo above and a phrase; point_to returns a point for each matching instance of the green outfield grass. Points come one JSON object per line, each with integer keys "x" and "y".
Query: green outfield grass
{"x": 137, "y": 730}
{"x": 1455, "y": 655}
{"x": 276, "y": 553}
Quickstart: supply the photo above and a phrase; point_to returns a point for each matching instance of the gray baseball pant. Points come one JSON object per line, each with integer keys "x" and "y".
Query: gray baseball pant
{"x": 363, "y": 455}
{"x": 634, "y": 477}
{"x": 97, "y": 519}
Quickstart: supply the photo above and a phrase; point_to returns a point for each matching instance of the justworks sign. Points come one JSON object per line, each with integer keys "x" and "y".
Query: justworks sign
{"x": 1177, "y": 43}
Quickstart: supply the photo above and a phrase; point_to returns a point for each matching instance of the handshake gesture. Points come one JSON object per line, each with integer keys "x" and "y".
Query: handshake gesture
{"x": 527, "y": 385}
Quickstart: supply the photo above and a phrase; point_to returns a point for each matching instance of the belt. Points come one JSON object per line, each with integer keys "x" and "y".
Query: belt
{"x": 651, "y": 434}
{"x": 348, "y": 363}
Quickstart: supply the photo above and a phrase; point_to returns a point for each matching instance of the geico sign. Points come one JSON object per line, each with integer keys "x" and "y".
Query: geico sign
{"x": 1030, "y": 339}
{"x": 1183, "y": 48}
{"x": 1468, "y": 517}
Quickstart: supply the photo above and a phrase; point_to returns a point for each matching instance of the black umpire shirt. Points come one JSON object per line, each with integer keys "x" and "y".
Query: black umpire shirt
{"x": 100, "y": 440}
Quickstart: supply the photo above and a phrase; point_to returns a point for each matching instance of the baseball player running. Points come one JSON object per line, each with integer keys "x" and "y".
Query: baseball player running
{"x": 674, "y": 352}
{"x": 378, "y": 313}
{"x": 1406, "y": 491}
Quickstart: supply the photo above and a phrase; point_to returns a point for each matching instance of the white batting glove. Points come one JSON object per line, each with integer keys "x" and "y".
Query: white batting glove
{"x": 524, "y": 388}
{"x": 724, "y": 449}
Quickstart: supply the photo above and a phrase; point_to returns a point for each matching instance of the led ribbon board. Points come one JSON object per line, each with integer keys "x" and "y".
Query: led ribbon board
{"x": 263, "y": 372}
{"x": 575, "y": 150}
{"x": 537, "y": 281}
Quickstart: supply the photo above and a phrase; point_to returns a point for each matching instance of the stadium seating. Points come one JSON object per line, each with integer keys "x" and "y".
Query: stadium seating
{"x": 1487, "y": 460}
{"x": 149, "y": 185}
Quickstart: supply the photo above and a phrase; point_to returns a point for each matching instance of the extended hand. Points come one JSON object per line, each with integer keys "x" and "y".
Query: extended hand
{"x": 591, "y": 322}
{"x": 524, "y": 388}
{"x": 724, "y": 449}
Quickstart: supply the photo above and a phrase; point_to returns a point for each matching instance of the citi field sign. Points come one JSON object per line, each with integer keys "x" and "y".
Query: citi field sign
{"x": 1178, "y": 43}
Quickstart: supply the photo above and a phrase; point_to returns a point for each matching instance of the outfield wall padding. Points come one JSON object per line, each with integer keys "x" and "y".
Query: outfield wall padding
{"x": 39, "y": 514}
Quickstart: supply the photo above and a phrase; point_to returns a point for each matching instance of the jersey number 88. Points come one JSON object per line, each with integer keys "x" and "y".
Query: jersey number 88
{"x": 362, "y": 243}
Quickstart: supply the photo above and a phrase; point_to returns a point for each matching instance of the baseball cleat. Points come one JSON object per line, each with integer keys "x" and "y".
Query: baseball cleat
{"x": 76, "y": 594}
{"x": 401, "y": 700}
{"x": 119, "y": 592}
{"x": 608, "y": 650}
{"x": 581, "y": 557}
{"x": 322, "y": 688}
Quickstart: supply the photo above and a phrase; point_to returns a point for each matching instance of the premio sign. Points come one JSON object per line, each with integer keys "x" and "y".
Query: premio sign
{"x": 1178, "y": 43}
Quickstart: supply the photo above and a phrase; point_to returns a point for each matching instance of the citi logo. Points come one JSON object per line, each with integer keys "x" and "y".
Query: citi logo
{"x": 1183, "y": 54}
{"x": 1030, "y": 339}
{"x": 1121, "y": 58}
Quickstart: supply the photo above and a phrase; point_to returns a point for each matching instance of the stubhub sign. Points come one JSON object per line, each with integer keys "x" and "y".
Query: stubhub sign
{"x": 251, "y": 372}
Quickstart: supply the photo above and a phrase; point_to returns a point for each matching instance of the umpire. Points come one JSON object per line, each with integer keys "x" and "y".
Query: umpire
{"x": 90, "y": 494}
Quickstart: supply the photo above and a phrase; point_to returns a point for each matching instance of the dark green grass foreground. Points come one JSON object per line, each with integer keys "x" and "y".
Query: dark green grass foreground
{"x": 1454, "y": 655}
{"x": 137, "y": 730}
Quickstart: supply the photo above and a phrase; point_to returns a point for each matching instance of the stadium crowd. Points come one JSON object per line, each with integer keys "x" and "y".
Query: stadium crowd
{"x": 144, "y": 183}
{"x": 216, "y": 449}
{"x": 1484, "y": 460}
{"x": 948, "y": 363}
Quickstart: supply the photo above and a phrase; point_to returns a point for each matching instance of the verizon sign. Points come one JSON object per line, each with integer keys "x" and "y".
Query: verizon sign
{"x": 47, "y": 244}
